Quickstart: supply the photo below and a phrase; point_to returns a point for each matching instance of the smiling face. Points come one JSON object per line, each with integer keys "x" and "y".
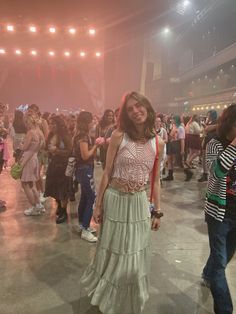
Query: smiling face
{"x": 110, "y": 117}
{"x": 136, "y": 112}
{"x": 158, "y": 122}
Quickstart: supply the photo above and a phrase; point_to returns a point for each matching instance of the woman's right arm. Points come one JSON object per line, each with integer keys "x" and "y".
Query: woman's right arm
{"x": 86, "y": 153}
{"x": 114, "y": 144}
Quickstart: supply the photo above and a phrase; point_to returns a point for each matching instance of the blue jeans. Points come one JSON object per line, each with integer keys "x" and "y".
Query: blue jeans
{"x": 84, "y": 175}
{"x": 222, "y": 240}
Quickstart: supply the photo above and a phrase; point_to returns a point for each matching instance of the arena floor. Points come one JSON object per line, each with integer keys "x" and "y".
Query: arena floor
{"x": 41, "y": 263}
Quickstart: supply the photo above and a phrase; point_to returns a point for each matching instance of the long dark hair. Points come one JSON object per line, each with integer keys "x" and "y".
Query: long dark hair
{"x": 62, "y": 132}
{"x": 18, "y": 122}
{"x": 127, "y": 126}
{"x": 226, "y": 122}
{"x": 103, "y": 122}
{"x": 83, "y": 120}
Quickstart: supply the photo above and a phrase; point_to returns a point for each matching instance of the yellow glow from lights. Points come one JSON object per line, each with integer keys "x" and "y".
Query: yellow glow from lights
{"x": 225, "y": 106}
{"x": 92, "y": 31}
{"x": 52, "y": 30}
{"x": 98, "y": 54}
{"x": 198, "y": 108}
{"x": 72, "y": 30}
{"x": 18, "y": 52}
{"x": 218, "y": 107}
{"x": 82, "y": 54}
{"x": 33, "y": 52}
{"x": 67, "y": 53}
{"x": 10, "y": 28}
{"x": 51, "y": 53}
{"x": 212, "y": 107}
{"x": 194, "y": 109}
{"x": 207, "y": 107}
{"x": 2, "y": 51}
{"x": 32, "y": 29}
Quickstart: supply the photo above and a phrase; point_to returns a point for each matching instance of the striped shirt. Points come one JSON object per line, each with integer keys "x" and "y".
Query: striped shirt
{"x": 219, "y": 162}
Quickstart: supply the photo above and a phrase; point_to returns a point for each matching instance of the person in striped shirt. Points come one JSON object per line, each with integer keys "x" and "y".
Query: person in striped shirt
{"x": 220, "y": 209}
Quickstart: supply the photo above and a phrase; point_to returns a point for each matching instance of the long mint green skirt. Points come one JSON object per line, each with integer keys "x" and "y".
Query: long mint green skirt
{"x": 117, "y": 279}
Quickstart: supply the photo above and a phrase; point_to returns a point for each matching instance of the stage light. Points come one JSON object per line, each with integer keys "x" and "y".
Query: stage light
{"x": 67, "y": 54}
{"x": 10, "y": 28}
{"x": 33, "y": 52}
{"x": 98, "y": 54}
{"x": 82, "y": 54}
{"x": 92, "y": 31}
{"x": 72, "y": 30}
{"x": 18, "y": 52}
{"x": 32, "y": 29}
{"x": 166, "y": 31}
{"x": 186, "y": 3}
{"x": 2, "y": 51}
{"x": 51, "y": 53}
{"x": 52, "y": 30}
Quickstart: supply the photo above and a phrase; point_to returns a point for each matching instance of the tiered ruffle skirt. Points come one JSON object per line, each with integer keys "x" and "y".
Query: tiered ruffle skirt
{"x": 117, "y": 280}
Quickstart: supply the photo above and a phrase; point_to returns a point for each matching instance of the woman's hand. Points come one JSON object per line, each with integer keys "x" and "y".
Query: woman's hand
{"x": 98, "y": 214}
{"x": 100, "y": 141}
{"x": 156, "y": 223}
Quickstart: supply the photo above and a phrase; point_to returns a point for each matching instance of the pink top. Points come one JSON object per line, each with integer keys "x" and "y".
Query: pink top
{"x": 134, "y": 162}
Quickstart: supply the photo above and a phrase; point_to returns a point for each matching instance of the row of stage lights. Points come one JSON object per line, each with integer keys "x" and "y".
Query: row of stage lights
{"x": 51, "y": 53}
{"x": 51, "y": 29}
{"x": 209, "y": 107}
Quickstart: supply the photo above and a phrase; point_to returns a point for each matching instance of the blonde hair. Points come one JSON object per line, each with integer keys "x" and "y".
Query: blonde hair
{"x": 32, "y": 120}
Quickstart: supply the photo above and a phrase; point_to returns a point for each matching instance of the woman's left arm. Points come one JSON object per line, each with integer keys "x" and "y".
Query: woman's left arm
{"x": 157, "y": 186}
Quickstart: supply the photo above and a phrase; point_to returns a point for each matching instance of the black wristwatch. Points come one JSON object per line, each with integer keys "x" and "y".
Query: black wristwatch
{"x": 157, "y": 214}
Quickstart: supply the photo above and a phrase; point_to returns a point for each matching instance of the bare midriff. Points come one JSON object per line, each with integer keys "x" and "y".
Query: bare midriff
{"x": 125, "y": 186}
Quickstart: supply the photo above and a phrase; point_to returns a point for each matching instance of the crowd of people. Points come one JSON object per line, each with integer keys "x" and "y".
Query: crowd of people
{"x": 62, "y": 151}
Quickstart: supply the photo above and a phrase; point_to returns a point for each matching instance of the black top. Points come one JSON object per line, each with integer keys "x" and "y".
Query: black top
{"x": 82, "y": 137}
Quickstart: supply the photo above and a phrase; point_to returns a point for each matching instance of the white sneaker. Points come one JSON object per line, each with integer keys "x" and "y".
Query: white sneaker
{"x": 32, "y": 211}
{"x": 92, "y": 230}
{"x": 88, "y": 236}
{"x": 40, "y": 207}
{"x": 42, "y": 198}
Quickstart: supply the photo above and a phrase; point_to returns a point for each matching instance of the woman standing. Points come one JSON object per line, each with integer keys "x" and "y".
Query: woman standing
{"x": 117, "y": 279}
{"x": 209, "y": 132}
{"x": 193, "y": 144}
{"x": 175, "y": 146}
{"x": 84, "y": 151}
{"x": 57, "y": 184}
{"x": 220, "y": 209}
{"x": 33, "y": 142}
{"x": 106, "y": 122}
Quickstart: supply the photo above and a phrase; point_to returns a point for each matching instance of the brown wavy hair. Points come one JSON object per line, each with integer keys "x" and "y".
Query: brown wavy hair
{"x": 127, "y": 126}
{"x": 226, "y": 122}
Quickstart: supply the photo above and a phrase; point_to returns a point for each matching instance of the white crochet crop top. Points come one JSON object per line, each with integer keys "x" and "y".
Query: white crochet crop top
{"x": 134, "y": 161}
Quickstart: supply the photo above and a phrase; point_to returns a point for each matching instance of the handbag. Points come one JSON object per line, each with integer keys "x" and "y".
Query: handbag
{"x": 154, "y": 172}
{"x": 70, "y": 168}
{"x": 16, "y": 171}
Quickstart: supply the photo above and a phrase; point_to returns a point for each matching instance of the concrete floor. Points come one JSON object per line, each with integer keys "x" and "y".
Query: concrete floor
{"x": 41, "y": 263}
